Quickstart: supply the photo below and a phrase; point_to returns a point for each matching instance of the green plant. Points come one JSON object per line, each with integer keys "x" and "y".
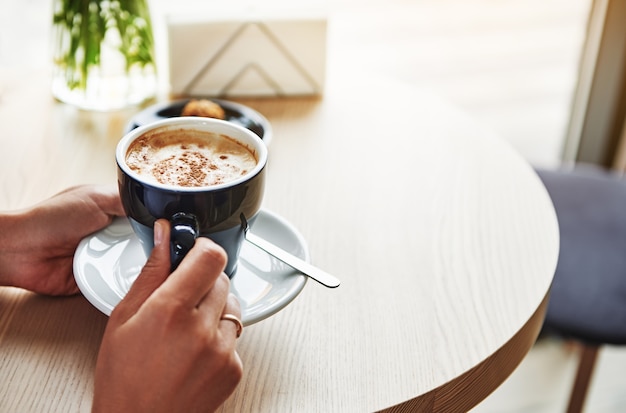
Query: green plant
{"x": 84, "y": 25}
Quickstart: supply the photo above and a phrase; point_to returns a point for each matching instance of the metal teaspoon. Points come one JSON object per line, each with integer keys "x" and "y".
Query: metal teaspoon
{"x": 294, "y": 262}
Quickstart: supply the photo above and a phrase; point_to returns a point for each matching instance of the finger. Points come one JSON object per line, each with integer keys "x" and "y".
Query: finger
{"x": 197, "y": 272}
{"x": 154, "y": 273}
{"x": 233, "y": 306}
{"x": 108, "y": 199}
{"x": 213, "y": 303}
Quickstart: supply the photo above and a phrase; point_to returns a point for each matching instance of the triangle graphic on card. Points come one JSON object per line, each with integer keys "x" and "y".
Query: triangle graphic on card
{"x": 252, "y": 79}
{"x": 253, "y": 61}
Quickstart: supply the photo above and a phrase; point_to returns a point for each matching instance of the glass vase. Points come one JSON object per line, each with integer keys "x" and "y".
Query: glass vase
{"x": 103, "y": 53}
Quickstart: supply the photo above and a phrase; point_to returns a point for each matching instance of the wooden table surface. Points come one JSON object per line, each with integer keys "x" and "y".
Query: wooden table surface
{"x": 444, "y": 239}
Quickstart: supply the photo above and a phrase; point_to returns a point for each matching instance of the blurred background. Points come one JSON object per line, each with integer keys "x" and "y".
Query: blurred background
{"x": 512, "y": 65}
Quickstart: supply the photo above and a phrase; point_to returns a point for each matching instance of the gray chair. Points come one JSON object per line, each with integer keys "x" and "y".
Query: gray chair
{"x": 588, "y": 295}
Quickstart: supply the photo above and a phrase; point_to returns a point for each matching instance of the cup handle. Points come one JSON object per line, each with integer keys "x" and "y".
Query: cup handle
{"x": 183, "y": 235}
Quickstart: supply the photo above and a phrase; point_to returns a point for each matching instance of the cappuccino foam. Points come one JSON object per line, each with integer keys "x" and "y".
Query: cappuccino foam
{"x": 189, "y": 158}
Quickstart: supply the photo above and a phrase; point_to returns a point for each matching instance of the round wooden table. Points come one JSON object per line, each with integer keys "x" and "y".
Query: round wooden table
{"x": 443, "y": 237}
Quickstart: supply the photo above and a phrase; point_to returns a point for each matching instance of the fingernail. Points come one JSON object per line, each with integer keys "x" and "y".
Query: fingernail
{"x": 158, "y": 233}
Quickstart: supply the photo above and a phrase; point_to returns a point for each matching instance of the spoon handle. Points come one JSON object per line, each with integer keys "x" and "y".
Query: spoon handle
{"x": 296, "y": 263}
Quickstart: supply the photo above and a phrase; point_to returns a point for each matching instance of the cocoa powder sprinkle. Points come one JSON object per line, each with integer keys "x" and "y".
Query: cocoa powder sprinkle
{"x": 189, "y": 159}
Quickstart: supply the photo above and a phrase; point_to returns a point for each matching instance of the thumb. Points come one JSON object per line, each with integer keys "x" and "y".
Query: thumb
{"x": 154, "y": 273}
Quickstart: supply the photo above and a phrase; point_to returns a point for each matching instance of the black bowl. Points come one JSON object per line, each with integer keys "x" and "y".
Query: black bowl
{"x": 234, "y": 112}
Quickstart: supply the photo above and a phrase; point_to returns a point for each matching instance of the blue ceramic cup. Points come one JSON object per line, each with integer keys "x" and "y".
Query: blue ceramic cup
{"x": 212, "y": 211}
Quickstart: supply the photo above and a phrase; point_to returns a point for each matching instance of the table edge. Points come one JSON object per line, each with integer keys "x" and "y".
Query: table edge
{"x": 462, "y": 393}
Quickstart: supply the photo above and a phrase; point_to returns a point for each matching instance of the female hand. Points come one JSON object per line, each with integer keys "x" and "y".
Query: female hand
{"x": 166, "y": 348}
{"x": 37, "y": 244}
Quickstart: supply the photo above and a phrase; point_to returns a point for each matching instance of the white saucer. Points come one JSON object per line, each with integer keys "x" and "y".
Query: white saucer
{"x": 106, "y": 264}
